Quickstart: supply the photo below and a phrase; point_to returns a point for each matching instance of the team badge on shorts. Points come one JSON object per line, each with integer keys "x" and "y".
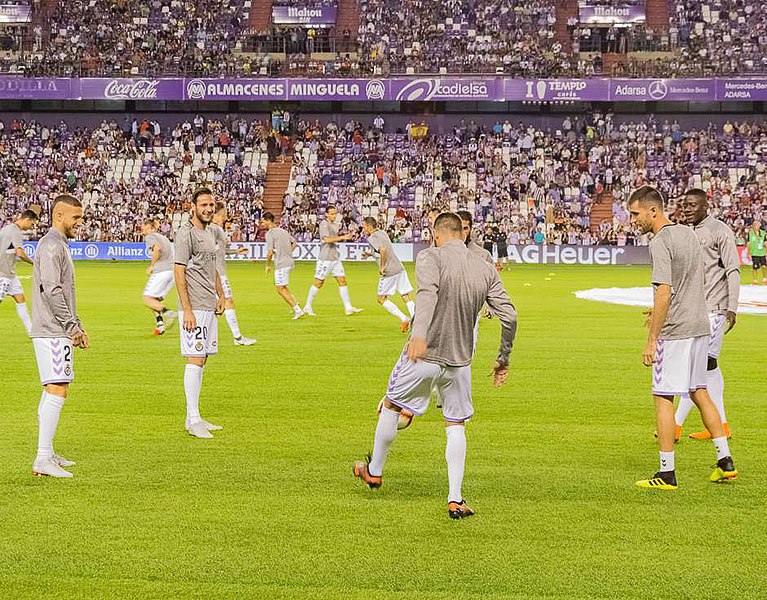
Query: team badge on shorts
{"x": 67, "y": 370}
{"x": 198, "y": 346}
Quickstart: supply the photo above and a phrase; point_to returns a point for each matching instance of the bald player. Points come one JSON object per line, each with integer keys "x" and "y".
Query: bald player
{"x": 393, "y": 277}
{"x": 201, "y": 298}
{"x": 453, "y": 283}
{"x": 56, "y": 328}
{"x": 279, "y": 247}
{"x": 678, "y": 338}
{"x": 11, "y": 249}
{"x": 722, "y": 277}
{"x": 160, "y": 271}
{"x": 222, "y": 251}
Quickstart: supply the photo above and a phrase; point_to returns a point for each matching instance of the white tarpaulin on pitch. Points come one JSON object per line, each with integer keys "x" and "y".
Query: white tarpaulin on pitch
{"x": 753, "y": 298}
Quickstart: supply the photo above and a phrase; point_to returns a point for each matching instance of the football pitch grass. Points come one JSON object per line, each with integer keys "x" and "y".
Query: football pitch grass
{"x": 270, "y": 509}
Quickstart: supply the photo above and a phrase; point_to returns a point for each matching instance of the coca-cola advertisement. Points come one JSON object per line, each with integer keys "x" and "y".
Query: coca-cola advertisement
{"x": 131, "y": 89}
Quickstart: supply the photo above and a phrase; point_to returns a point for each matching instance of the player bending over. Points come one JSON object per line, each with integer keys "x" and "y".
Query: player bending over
{"x": 280, "y": 246}
{"x": 160, "y": 271}
{"x": 393, "y": 277}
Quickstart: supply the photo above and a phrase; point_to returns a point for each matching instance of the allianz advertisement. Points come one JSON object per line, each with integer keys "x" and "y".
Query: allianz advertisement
{"x": 531, "y": 254}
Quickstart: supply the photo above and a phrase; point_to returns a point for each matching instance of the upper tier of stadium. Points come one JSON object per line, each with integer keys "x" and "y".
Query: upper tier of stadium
{"x": 380, "y": 38}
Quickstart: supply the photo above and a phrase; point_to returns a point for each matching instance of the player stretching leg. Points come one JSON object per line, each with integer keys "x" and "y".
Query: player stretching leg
{"x": 201, "y": 297}
{"x": 329, "y": 263}
{"x": 679, "y": 335}
{"x": 280, "y": 246}
{"x": 453, "y": 283}
{"x": 394, "y": 279}
{"x": 222, "y": 250}
{"x": 722, "y": 277}
{"x": 11, "y": 248}
{"x": 56, "y": 329}
{"x": 160, "y": 271}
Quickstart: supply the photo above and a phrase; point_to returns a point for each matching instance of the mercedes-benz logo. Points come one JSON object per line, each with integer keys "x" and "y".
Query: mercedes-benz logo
{"x": 657, "y": 90}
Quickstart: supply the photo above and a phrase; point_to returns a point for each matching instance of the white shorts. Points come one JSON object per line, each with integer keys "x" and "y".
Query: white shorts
{"x": 203, "y": 340}
{"x": 718, "y": 323}
{"x": 396, "y": 284}
{"x": 10, "y": 286}
{"x": 227, "y": 286}
{"x": 333, "y": 267}
{"x": 411, "y": 384}
{"x": 282, "y": 276}
{"x": 159, "y": 284}
{"x": 55, "y": 359}
{"x": 680, "y": 366}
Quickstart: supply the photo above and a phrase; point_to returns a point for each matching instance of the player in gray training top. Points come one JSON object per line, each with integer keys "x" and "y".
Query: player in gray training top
{"x": 329, "y": 263}
{"x": 453, "y": 283}
{"x": 722, "y": 277}
{"x": 222, "y": 250}
{"x": 11, "y": 239}
{"x": 467, "y": 222}
{"x": 393, "y": 277}
{"x": 280, "y": 246}
{"x": 56, "y": 328}
{"x": 160, "y": 271}
{"x": 201, "y": 298}
{"x": 677, "y": 343}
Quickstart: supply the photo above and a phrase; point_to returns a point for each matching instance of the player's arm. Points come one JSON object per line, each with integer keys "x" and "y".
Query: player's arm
{"x": 501, "y": 307}
{"x": 336, "y": 239}
{"x": 232, "y": 251}
{"x": 221, "y": 302}
{"x": 427, "y": 276}
{"x": 23, "y": 256}
{"x": 52, "y": 292}
{"x": 728, "y": 252}
{"x": 156, "y": 255}
{"x": 269, "y": 255}
{"x": 660, "y": 306}
{"x": 384, "y": 257}
{"x": 182, "y": 255}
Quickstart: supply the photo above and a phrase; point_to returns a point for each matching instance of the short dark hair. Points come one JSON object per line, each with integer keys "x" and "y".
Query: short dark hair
{"x": 66, "y": 199}
{"x": 267, "y": 216}
{"x": 647, "y": 195}
{"x": 220, "y": 206}
{"x": 449, "y": 221}
{"x": 152, "y": 222}
{"x": 31, "y": 215}
{"x": 465, "y": 215}
{"x": 697, "y": 193}
{"x": 203, "y": 191}
{"x": 329, "y": 206}
{"x": 370, "y": 221}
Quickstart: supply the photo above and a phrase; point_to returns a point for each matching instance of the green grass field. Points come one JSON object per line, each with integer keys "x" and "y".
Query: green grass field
{"x": 269, "y": 509}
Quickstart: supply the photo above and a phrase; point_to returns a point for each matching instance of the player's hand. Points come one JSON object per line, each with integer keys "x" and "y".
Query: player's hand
{"x": 80, "y": 340}
{"x": 500, "y": 373}
{"x": 220, "y": 305}
{"x": 648, "y": 317}
{"x": 650, "y": 352}
{"x": 268, "y": 269}
{"x": 190, "y": 321}
{"x": 149, "y": 270}
{"x": 730, "y": 317}
{"x": 242, "y": 251}
{"x": 416, "y": 348}
{"x": 381, "y": 272}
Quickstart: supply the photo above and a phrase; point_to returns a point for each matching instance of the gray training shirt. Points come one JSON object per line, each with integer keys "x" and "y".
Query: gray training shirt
{"x": 720, "y": 264}
{"x": 677, "y": 261}
{"x": 280, "y": 243}
{"x": 54, "y": 314}
{"x": 159, "y": 241}
{"x": 196, "y": 250}
{"x": 480, "y": 251}
{"x": 329, "y": 251}
{"x": 221, "y": 245}
{"x": 10, "y": 239}
{"x": 377, "y": 240}
{"x": 453, "y": 284}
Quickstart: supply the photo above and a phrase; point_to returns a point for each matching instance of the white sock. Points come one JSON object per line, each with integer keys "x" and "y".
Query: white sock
{"x": 666, "y": 461}
{"x": 297, "y": 308}
{"x": 386, "y": 431}
{"x": 192, "y": 385}
{"x": 50, "y": 409}
{"x": 312, "y": 293}
{"x": 40, "y": 406}
{"x": 411, "y": 307}
{"x": 684, "y": 408}
{"x": 455, "y": 454}
{"x": 392, "y": 308}
{"x": 722, "y": 447}
{"x": 344, "y": 291}
{"x": 715, "y": 385}
{"x": 23, "y": 312}
{"x": 231, "y": 319}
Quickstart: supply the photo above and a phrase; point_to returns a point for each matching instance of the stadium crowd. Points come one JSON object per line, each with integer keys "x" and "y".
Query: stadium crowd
{"x": 514, "y": 37}
{"x": 526, "y": 184}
